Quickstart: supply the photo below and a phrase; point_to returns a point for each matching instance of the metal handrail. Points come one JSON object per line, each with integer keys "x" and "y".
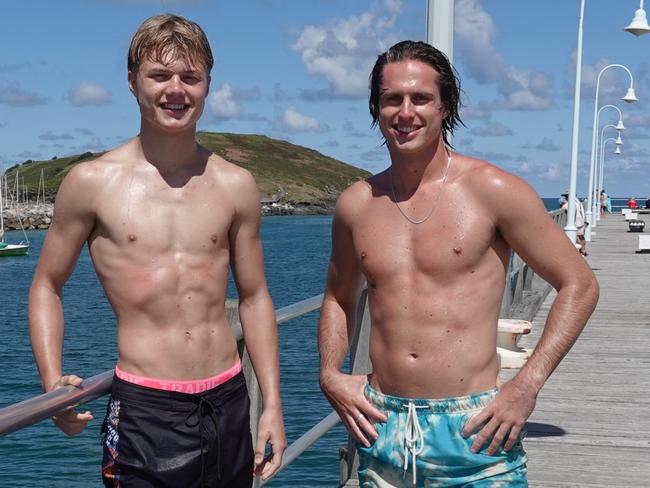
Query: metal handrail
{"x": 41, "y": 407}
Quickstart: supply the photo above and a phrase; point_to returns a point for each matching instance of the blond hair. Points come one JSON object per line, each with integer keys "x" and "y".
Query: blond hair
{"x": 167, "y": 37}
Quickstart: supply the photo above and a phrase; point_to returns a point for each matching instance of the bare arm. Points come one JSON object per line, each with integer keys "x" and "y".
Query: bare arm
{"x": 344, "y": 283}
{"x": 257, "y": 317}
{"x": 71, "y": 225}
{"x": 523, "y": 221}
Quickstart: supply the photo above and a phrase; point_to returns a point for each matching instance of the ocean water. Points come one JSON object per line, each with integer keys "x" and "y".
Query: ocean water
{"x": 296, "y": 253}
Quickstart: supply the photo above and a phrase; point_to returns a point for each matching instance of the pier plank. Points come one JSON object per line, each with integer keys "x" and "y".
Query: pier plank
{"x": 599, "y": 394}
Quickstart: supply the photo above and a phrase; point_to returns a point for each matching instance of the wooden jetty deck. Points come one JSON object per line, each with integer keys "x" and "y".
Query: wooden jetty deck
{"x": 591, "y": 426}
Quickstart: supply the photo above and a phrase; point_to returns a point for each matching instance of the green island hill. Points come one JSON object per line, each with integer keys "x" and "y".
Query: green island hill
{"x": 292, "y": 179}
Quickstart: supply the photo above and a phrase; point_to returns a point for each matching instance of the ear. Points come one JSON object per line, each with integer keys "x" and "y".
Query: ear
{"x": 207, "y": 91}
{"x": 132, "y": 80}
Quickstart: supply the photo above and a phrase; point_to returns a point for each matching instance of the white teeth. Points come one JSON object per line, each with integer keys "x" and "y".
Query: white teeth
{"x": 406, "y": 129}
{"x": 174, "y": 106}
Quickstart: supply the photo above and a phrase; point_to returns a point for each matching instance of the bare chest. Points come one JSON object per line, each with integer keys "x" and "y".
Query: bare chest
{"x": 452, "y": 240}
{"x": 151, "y": 216}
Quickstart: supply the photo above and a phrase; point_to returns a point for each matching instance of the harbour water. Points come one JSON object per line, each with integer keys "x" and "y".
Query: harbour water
{"x": 296, "y": 254}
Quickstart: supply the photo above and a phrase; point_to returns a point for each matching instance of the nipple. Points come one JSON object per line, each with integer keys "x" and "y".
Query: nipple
{"x": 133, "y": 237}
{"x": 458, "y": 250}
{"x": 363, "y": 255}
{"x": 214, "y": 238}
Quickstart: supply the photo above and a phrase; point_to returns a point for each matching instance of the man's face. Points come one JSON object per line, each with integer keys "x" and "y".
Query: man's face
{"x": 171, "y": 95}
{"x": 410, "y": 110}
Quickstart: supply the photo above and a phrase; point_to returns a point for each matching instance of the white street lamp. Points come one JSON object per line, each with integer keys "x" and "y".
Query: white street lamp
{"x": 629, "y": 97}
{"x": 592, "y": 197}
{"x": 639, "y": 24}
{"x": 570, "y": 227}
{"x": 602, "y": 162}
{"x": 594, "y": 211}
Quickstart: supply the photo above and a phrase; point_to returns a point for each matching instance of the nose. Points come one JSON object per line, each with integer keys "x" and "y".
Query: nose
{"x": 175, "y": 84}
{"x": 406, "y": 108}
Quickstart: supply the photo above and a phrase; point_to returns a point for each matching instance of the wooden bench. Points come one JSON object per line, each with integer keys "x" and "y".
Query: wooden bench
{"x": 511, "y": 356}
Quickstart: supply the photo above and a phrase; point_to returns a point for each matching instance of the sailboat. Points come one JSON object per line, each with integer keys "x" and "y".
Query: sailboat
{"x": 7, "y": 249}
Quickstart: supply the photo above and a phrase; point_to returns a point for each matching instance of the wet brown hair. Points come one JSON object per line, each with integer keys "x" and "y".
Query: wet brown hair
{"x": 167, "y": 37}
{"x": 448, "y": 81}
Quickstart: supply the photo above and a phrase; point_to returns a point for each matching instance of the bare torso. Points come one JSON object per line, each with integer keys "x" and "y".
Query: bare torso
{"x": 434, "y": 288}
{"x": 160, "y": 247}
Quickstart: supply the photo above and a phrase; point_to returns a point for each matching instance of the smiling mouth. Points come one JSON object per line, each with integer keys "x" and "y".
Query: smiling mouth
{"x": 405, "y": 129}
{"x": 174, "y": 106}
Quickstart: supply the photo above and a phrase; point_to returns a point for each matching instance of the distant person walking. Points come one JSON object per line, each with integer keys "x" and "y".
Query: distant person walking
{"x": 164, "y": 219}
{"x": 631, "y": 203}
{"x": 603, "y": 201}
{"x": 580, "y": 222}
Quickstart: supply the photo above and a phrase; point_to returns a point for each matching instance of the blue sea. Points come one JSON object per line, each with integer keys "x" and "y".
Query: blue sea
{"x": 296, "y": 253}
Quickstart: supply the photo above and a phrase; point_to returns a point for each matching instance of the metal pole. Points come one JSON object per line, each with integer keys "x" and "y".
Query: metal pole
{"x": 440, "y": 26}
{"x": 570, "y": 228}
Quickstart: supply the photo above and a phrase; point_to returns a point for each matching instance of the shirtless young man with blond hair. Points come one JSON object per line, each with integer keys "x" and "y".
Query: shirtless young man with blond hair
{"x": 431, "y": 236}
{"x": 164, "y": 219}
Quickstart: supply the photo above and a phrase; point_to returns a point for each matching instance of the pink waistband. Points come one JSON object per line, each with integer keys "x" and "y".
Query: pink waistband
{"x": 182, "y": 386}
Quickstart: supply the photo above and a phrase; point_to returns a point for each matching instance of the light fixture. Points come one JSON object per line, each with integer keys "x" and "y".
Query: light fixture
{"x": 639, "y": 24}
{"x": 620, "y": 125}
{"x": 618, "y": 150}
{"x": 619, "y": 141}
{"x": 630, "y": 96}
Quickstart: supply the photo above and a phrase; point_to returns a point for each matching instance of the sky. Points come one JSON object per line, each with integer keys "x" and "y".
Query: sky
{"x": 297, "y": 70}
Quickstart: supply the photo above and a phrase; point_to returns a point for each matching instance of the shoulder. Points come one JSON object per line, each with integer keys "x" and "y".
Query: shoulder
{"x": 233, "y": 177}
{"x": 353, "y": 200}
{"x": 493, "y": 185}
{"x": 499, "y": 194}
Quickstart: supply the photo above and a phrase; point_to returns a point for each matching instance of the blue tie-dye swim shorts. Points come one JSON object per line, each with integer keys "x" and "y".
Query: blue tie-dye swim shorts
{"x": 421, "y": 444}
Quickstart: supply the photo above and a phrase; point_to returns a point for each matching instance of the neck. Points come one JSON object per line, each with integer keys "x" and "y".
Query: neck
{"x": 413, "y": 169}
{"x": 168, "y": 151}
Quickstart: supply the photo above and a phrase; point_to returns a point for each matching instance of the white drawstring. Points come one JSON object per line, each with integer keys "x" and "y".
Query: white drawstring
{"x": 412, "y": 436}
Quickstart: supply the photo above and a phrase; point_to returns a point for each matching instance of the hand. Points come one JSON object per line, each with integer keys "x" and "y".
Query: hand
{"x": 345, "y": 393}
{"x": 503, "y": 419}
{"x": 69, "y": 421}
{"x": 270, "y": 430}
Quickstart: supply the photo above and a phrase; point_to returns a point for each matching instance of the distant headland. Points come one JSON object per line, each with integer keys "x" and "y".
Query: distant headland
{"x": 292, "y": 179}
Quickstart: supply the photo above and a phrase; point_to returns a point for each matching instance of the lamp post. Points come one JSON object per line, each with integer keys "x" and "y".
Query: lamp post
{"x": 639, "y": 24}
{"x": 598, "y": 186}
{"x": 592, "y": 199}
{"x": 570, "y": 227}
{"x": 602, "y": 160}
{"x": 629, "y": 97}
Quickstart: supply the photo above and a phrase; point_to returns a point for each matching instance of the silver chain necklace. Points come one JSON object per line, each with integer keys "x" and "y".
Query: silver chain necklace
{"x": 435, "y": 199}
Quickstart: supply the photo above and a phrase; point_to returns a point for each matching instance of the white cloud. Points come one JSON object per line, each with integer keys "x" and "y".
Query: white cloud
{"x": 344, "y": 52}
{"x": 492, "y": 129}
{"x": 520, "y": 89}
{"x": 294, "y": 121}
{"x": 552, "y": 173}
{"x": 89, "y": 93}
{"x": 222, "y": 104}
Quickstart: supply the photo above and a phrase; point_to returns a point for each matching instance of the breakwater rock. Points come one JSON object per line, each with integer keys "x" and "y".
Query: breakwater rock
{"x": 39, "y": 216}
{"x": 31, "y": 215}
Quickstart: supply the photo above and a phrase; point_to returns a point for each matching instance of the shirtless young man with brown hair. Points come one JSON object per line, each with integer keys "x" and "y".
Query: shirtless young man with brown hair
{"x": 164, "y": 219}
{"x": 431, "y": 236}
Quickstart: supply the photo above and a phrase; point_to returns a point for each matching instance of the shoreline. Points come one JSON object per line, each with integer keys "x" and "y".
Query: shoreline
{"x": 34, "y": 217}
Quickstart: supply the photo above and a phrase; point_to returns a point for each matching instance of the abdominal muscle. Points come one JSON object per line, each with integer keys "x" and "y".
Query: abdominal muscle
{"x": 170, "y": 309}
{"x": 437, "y": 343}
